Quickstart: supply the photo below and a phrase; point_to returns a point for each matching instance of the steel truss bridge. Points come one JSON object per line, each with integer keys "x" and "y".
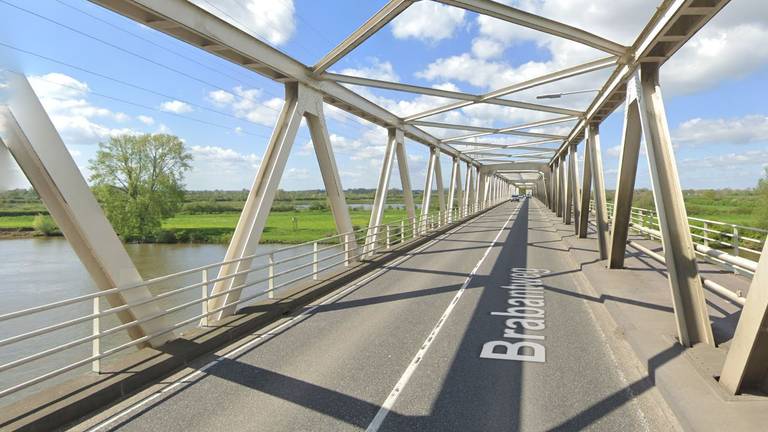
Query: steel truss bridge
{"x": 389, "y": 283}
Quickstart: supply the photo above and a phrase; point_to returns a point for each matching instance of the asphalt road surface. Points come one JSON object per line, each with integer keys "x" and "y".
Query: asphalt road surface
{"x": 407, "y": 348}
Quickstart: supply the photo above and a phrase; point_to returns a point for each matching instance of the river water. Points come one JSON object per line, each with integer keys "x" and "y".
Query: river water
{"x": 39, "y": 271}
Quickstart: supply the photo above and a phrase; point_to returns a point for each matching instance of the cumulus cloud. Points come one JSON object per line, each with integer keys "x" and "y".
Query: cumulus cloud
{"x": 176, "y": 107}
{"x": 248, "y": 104}
{"x": 65, "y": 99}
{"x": 428, "y": 21}
{"x": 274, "y": 21}
{"x": 221, "y": 168}
{"x": 147, "y": 120}
{"x": 743, "y": 130}
{"x": 380, "y": 70}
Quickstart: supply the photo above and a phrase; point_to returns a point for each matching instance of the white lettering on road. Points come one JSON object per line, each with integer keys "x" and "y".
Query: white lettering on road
{"x": 526, "y": 312}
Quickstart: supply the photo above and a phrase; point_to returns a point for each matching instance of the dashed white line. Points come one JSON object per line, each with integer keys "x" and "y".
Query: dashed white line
{"x": 386, "y": 407}
{"x": 292, "y": 321}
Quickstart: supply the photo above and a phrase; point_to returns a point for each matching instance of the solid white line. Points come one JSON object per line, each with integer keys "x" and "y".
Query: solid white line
{"x": 292, "y": 321}
{"x": 386, "y": 407}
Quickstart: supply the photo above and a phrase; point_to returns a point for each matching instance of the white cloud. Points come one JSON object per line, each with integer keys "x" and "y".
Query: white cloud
{"x": 744, "y": 130}
{"x": 78, "y": 121}
{"x": 380, "y": 70}
{"x": 428, "y": 21}
{"x": 273, "y": 20}
{"x": 723, "y": 49}
{"x": 221, "y": 168}
{"x": 221, "y": 97}
{"x": 176, "y": 107}
{"x": 487, "y": 48}
{"x": 246, "y": 104}
{"x": 147, "y": 120}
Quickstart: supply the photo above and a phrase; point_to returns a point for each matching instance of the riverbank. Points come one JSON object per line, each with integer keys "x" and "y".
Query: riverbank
{"x": 288, "y": 227}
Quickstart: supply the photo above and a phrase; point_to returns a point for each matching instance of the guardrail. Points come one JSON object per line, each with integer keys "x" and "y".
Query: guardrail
{"x": 703, "y": 235}
{"x": 326, "y": 254}
{"x": 711, "y": 239}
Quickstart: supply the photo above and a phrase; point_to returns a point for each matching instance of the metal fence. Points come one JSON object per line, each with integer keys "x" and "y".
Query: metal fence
{"x": 276, "y": 269}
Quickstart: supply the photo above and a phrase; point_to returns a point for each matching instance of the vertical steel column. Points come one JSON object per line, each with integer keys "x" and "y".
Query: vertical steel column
{"x": 477, "y": 188}
{"x": 601, "y": 212}
{"x": 405, "y": 176}
{"x": 573, "y": 170}
{"x": 558, "y": 188}
{"x": 300, "y": 101}
{"x": 625, "y": 185}
{"x": 41, "y": 154}
{"x": 562, "y": 184}
{"x": 746, "y": 365}
{"x": 321, "y": 140}
{"x": 569, "y": 197}
{"x": 380, "y": 199}
{"x": 452, "y": 183}
{"x": 439, "y": 181}
{"x": 586, "y": 189}
{"x": 469, "y": 189}
{"x": 427, "y": 195}
{"x": 687, "y": 291}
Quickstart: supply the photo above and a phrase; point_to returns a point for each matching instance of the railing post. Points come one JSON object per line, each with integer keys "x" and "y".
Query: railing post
{"x": 314, "y": 261}
{"x": 96, "y": 343}
{"x": 706, "y": 236}
{"x": 346, "y": 250}
{"x": 271, "y": 275}
{"x": 735, "y": 240}
{"x": 388, "y": 240}
{"x": 402, "y": 231}
{"x": 204, "y": 297}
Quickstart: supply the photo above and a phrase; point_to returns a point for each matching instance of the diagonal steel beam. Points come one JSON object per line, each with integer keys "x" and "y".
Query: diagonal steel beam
{"x": 198, "y": 27}
{"x": 429, "y": 91}
{"x": 544, "y": 79}
{"x": 539, "y": 23}
{"x": 392, "y": 9}
{"x": 675, "y": 19}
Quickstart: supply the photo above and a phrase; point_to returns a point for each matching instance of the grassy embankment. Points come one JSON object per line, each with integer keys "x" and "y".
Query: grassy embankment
{"x": 296, "y": 217}
{"x": 211, "y": 216}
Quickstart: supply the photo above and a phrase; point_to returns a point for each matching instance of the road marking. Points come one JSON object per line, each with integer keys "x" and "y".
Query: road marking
{"x": 292, "y": 321}
{"x": 525, "y": 312}
{"x": 386, "y": 407}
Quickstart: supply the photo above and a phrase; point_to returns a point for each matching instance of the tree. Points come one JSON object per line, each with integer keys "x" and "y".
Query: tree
{"x": 138, "y": 180}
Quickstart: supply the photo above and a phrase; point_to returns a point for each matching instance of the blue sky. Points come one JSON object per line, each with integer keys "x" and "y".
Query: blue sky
{"x": 714, "y": 87}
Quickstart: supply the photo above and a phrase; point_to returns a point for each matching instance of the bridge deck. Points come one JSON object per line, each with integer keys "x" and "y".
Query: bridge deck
{"x": 337, "y": 363}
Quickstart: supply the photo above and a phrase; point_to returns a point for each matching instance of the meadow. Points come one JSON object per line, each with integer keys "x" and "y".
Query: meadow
{"x": 301, "y": 216}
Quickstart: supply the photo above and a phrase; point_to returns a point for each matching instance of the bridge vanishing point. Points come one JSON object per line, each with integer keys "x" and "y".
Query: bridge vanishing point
{"x": 557, "y": 311}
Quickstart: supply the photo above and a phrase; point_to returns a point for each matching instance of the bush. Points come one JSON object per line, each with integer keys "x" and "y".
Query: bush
{"x": 318, "y": 206}
{"x": 166, "y": 237}
{"x": 45, "y": 225}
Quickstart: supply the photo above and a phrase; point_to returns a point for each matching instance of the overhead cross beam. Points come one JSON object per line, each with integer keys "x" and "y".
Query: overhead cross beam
{"x": 392, "y": 9}
{"x": 670, "y": 28}
{"x": 539, "y": 23}
{"x": 534, "y": 82}
{"x": 202, "y": 28}
{"x": 429, "y": 91}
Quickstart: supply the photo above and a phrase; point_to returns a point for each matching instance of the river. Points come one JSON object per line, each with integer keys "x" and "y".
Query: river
{"x": 35, "y": 271}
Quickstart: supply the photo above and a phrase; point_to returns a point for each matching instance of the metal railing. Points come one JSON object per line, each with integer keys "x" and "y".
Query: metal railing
{"x": 646, "y": 222}
{"x": 736, "y": 247}
{"x": 326, "y": 254}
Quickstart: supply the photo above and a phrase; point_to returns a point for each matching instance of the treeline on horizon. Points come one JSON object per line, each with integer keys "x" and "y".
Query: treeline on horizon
{"x": 741, "y": 206}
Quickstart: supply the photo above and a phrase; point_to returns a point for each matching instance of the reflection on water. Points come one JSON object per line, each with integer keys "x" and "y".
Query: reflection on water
{"x": 39, "y": 271}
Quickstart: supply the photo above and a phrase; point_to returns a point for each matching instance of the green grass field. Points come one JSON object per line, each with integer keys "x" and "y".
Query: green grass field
{"x": 211, "y": 228}
{"x": 310, "y": 224}
{"x": 211, "y": 216}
